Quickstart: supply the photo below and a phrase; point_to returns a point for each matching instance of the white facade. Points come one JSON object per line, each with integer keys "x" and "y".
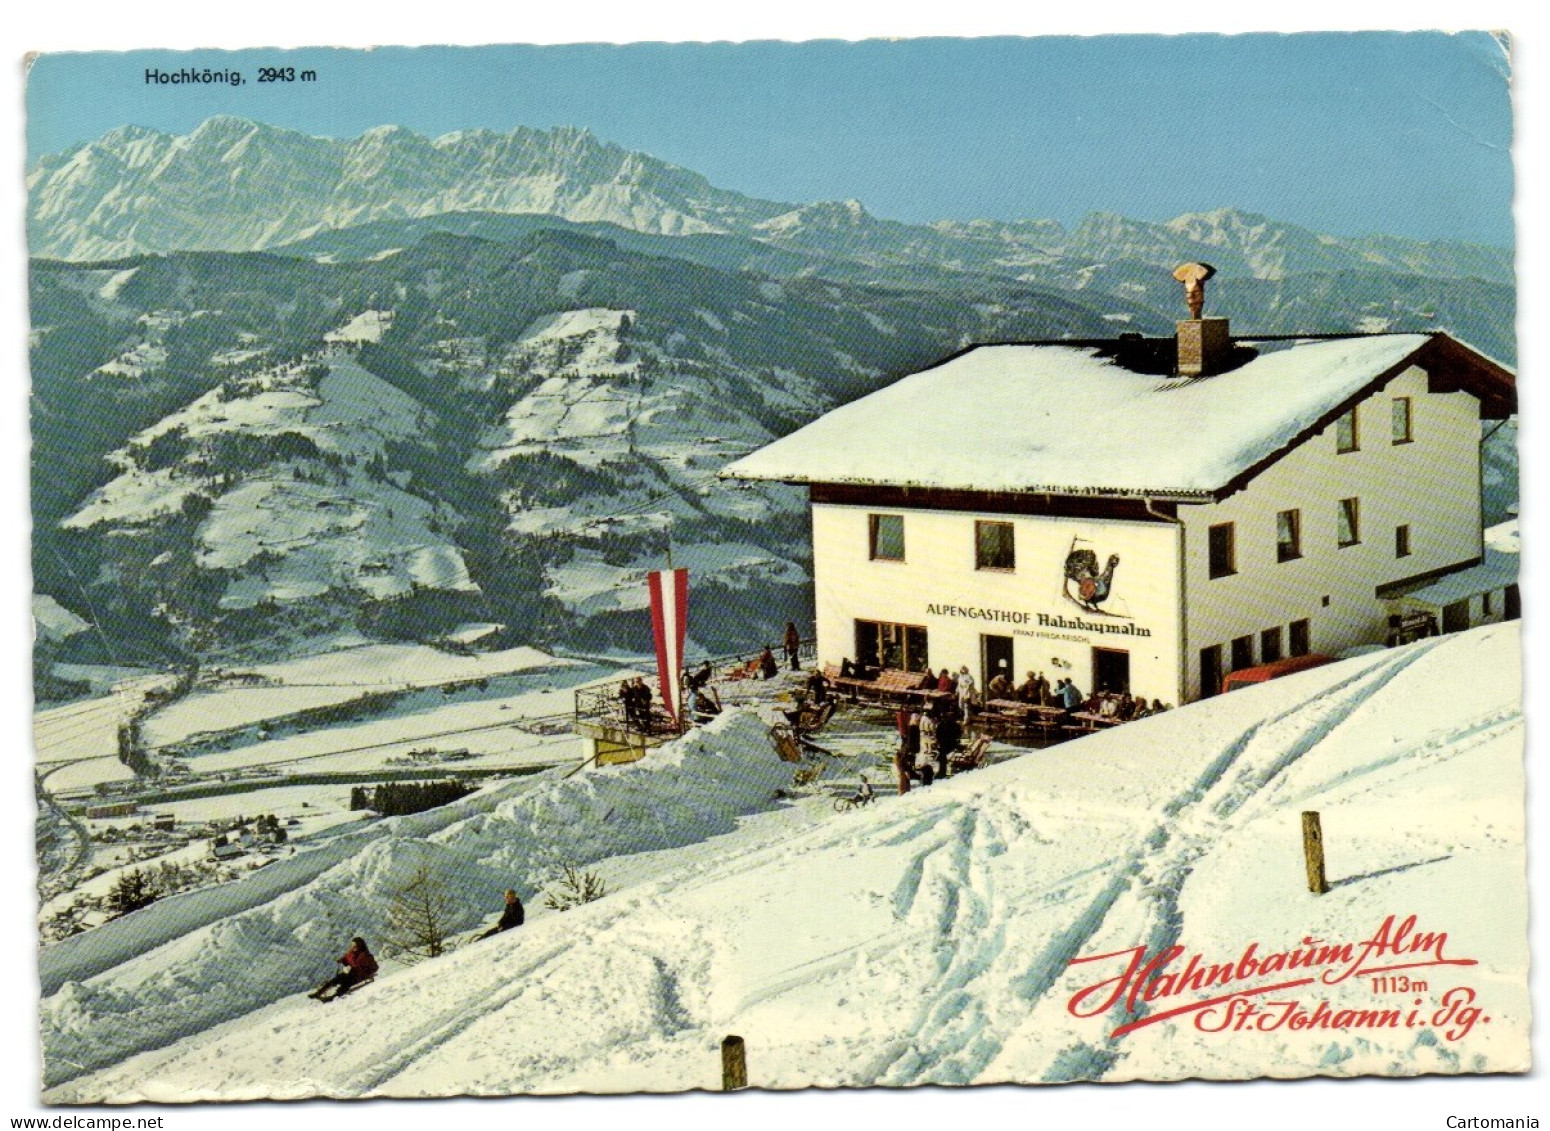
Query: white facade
{"x": 1430, "y": 484}
{"x": 938, "y": 587}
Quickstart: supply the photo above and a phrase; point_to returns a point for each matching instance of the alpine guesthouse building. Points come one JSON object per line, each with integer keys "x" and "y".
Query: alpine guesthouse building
{"x": 1145, "y": 514}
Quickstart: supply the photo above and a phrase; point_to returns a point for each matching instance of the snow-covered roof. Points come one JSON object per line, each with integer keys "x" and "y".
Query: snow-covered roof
{"x": 1497, "y": 571}
{"x": 1067, "y": 419}
{"x": 1504, "y": 537}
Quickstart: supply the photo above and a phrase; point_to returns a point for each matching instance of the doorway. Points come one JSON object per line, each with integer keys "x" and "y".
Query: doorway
{"x": 1211, "y": 668}
{"x": 1111, "y": 670}
{"x": 995, "y": 659}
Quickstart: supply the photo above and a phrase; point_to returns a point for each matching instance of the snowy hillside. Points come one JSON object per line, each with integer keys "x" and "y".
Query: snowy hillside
{"x": 465, "y": 431}
{"x": 589, "y": 394}
{"x": 970, "y": 932}
{"x": 285, "y": 473}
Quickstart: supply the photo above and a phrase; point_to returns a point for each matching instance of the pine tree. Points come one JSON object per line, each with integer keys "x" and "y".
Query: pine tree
{"x": 132, "y": 891}
{"x": 573, "y": 887}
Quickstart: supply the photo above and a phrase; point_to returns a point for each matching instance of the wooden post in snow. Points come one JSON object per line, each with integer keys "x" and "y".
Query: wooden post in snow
{"x": 734, "y": 1065}
{"x": 1313, "y": 852}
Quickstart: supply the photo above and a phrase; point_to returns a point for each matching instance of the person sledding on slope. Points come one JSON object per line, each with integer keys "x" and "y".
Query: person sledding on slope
{"x": 356, "y": 965}
{"x": 511, "y": 916}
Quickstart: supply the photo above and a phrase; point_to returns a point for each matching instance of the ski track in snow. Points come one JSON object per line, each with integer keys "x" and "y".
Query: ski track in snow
{"x": 977, "y": 999}
{"x": 1157, "y": 873}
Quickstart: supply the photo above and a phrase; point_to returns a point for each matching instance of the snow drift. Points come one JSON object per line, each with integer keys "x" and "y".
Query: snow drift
{"x": 192, "y": 961}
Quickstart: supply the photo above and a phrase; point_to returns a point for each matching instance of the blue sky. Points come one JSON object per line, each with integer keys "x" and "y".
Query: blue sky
{"x": 1408, "y": 134}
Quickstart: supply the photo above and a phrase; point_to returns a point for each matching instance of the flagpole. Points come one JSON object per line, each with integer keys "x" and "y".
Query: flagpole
{"x": 678, "y": 681}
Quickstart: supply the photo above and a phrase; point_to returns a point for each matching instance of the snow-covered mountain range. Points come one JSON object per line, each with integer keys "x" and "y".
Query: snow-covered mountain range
{"x": 413, "y": 383}
{"x": 238, "y": 185}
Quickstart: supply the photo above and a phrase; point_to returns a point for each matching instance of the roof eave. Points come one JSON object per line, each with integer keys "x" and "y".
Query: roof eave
{"x": 1158, "y": 494}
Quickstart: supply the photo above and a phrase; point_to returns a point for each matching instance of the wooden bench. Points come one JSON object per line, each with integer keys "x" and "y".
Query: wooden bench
{"x": 749, "y": 670}
{"x": 900, "y": 687}
{"x": 972, "y": 758}
{"x": 850, "y": 684}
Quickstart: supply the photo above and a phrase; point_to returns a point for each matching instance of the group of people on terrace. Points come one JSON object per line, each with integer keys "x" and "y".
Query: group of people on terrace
{"x": 1037, "y": 691}
{"x": 928, "y": 737}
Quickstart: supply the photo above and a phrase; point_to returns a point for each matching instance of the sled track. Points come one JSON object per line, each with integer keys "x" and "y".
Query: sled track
{"x": 953, "y": 1037}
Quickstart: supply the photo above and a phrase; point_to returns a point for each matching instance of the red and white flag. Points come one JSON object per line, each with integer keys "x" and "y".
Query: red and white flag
{"x": 669, "y": 620}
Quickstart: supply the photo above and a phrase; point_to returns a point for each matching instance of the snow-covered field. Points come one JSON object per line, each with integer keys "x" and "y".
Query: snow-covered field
{"x": 331, "y": 678}
{"x": 943, "y": 937}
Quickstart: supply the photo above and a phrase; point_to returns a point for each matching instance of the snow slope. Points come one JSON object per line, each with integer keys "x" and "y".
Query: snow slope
{"x": 928, "y": 939}
{"x": 314, "y": 517}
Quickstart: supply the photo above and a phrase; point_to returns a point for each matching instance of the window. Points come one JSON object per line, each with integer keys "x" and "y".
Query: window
{"x": 887, "y": 537}
{"x": 993, "y": 546}
{"x": 1402, "y": 541}
{"x": 1402, "y": 420}
{"x": 1347, "y": 439}
{"x": 1288, "y": 536}
{"x": 1485, "y": 604}
{"x": 1350, "y": 522}
{"x": 1270, "y": 646}
{"x": 1223, "y": 558}
{"x": 1301, "y": 644}
{"x": 901, "y": 647}
{"x": 1242, "y": 653}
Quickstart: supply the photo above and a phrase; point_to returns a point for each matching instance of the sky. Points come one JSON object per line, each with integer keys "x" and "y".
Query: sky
{"x": 1352, "y": 134}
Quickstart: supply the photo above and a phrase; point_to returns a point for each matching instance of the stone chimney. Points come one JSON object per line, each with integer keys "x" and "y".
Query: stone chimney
{"x": 1204, "y": 343}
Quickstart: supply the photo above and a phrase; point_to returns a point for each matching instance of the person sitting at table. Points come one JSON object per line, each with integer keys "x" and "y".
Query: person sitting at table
{"x": 1158, "y": 706}
{"x": 1108, "y": 707}
{"x": 927, "y": 682}
{"x": 700, "y": 676}
{"x": 704, "y": 704}
{"x": 858, "y": 669}
{"x": 946, "y": 682}
{"x": 1028, "y": 690}
{"x": 1142, "y": 710}
{"x": 1127, "y": 707}
{"x": 1000, "y": 687}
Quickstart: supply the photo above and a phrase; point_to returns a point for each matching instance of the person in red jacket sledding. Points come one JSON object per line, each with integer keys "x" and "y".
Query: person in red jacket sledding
{"x": 356, "y": 965}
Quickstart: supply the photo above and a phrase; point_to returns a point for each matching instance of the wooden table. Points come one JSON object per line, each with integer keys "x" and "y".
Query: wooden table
{"x": 1091, "y": 721}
